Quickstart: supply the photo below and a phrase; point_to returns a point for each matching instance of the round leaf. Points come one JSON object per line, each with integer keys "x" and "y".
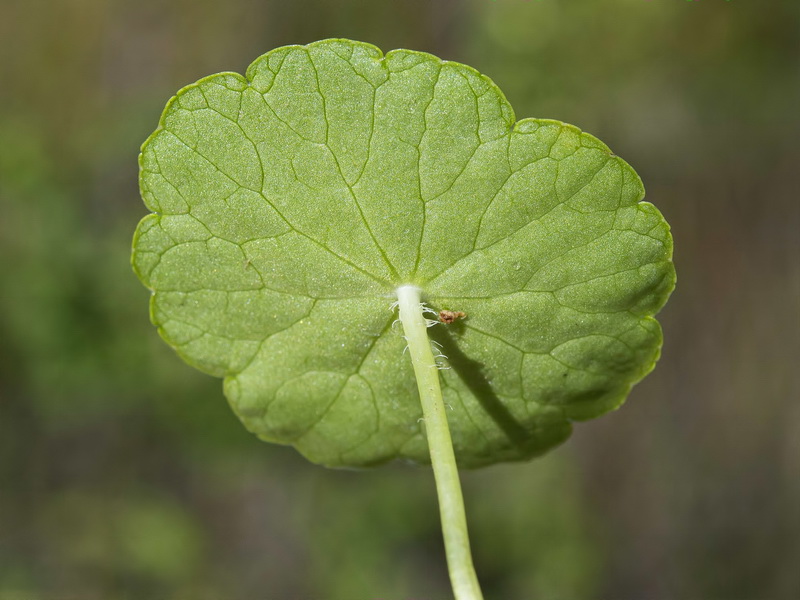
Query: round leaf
{"x": 289, "y": 204}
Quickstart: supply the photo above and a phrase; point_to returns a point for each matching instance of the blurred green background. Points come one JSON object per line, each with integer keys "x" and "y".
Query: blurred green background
{"x": 123, "y": 474}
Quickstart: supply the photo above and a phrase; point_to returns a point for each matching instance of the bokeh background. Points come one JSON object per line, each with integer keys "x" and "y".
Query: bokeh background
{"x": 123, "y": 473}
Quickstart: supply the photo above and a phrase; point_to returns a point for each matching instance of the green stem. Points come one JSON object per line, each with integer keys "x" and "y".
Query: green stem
{"x": 445, "y": 472}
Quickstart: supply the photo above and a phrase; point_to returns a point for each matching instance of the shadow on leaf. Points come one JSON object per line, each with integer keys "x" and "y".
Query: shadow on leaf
{"x": 471, "y": 372}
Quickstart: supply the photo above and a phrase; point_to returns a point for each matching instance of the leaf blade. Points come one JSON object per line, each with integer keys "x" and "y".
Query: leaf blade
{"x": 291, "y": 202}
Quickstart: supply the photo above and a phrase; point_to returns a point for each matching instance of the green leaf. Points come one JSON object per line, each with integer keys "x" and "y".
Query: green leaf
{"x": 289, "y": 204}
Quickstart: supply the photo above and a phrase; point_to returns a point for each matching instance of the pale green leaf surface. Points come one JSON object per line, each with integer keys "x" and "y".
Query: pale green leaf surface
{"x": 289, "y": 204}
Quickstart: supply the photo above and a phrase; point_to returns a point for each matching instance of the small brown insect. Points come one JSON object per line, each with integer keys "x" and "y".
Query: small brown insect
{"x": 448, "y": 316}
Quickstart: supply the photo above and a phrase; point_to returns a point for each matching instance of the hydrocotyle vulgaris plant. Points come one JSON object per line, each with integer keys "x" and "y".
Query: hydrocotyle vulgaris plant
{"x": 299, "y": 211}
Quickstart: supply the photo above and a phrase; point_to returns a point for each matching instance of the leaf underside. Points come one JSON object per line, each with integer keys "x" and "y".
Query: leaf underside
{"x": 289, "y": 204}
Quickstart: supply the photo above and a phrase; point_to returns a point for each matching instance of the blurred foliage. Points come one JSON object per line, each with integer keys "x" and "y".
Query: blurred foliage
{"x": 124, "y": 474}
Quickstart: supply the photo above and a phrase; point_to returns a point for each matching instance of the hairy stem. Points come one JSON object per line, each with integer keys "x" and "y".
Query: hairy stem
{"x": 448, "y": 487}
